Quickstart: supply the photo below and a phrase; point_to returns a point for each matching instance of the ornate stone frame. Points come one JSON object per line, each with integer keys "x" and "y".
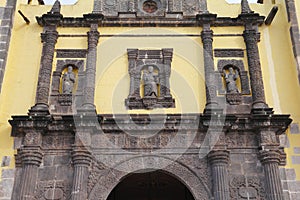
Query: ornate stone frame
{"x": 66, "y": 99}
{"x": 138, "y": 60}
{"x": 239, "y": 65}
{"x": 111, "y": 177}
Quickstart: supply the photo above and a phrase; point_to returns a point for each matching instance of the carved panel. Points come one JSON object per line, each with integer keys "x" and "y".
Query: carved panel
{"x": 149, "y": 8}
{"x": 239, "y": 68}
{"x": 49, "y": 190}
{"x": 229, "y": 53}
{"x": 151, "y": 69}
{"x": 243, "y": 187}
{"x": 71, "y": 53}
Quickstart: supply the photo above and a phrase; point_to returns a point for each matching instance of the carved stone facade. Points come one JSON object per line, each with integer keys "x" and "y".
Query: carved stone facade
{"x": 75, "y": 153}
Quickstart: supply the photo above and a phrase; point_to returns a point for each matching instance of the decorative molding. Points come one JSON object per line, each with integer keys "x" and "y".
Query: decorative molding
{"x": 71, "y": 53}
{"x": 229, "y": 53}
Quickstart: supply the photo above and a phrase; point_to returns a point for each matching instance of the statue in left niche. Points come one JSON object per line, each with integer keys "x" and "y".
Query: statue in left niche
{"x": 68, "y": 81}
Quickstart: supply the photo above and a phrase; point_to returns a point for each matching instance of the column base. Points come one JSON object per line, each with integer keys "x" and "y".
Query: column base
{"x": 213, "y": 110}
{"x": 87, "y": 109}
{"x": 262, "y": 111}
{"x": 39, "y": 110}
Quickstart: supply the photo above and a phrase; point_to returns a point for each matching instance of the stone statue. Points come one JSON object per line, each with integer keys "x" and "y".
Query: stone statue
{"x": 230, "y": 79}
{"x": 150, "y": 83}
{"x": 68, "y": 81}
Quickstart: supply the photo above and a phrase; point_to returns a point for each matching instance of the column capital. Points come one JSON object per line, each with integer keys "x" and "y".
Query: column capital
{"x": 31, "y": 156}
{"x": 218, "y": 157}
{"x": 267, "y": 157}
{"x": 81, "y": 156}
{"x": 207, "y": 35}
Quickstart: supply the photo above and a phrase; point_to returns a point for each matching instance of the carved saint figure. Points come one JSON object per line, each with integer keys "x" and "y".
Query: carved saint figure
{"x": 230, "y": 79}
{"x": 150, "y": 83}
{"x": 68, "y": 81}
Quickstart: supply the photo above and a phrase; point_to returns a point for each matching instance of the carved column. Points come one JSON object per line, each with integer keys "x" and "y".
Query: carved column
{"x": 89, "y": 90}
{"x": 170, "y": 5}
{"x": 18, "y": 175}
{"x": 55, "y": 82}
{"x": 270, "y": 160}
{"x": 211, "y": 84}
{"x": 31, "y": 160}
{"x": 167, "y": 55}
{"x": 132, "y": 56}
{"x": 49, "y": 39}
{"x": 218, "y": 160}
{"x": 251, "y": 38}
{"x": 81, "y": 160}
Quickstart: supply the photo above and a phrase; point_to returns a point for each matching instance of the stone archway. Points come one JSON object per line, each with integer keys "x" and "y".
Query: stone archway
{"x": 108, "y": 181}
{"x": 150, "y": 185}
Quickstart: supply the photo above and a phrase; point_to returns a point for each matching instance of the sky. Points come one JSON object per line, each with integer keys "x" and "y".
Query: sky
{"x": 73, "y": 1}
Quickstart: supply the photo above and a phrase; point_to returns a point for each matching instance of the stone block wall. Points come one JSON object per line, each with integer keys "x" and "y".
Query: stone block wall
{"x": 6, "y": 18}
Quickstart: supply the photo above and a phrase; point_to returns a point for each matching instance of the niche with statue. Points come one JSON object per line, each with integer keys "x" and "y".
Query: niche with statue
{"x": 66, "y": 84}
{"x": 234, "y": 81}
{"x": 149, "y": 72}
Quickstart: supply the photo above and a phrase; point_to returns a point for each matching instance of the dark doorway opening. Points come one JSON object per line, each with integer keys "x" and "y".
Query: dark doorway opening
{"x": 154, "y": 185}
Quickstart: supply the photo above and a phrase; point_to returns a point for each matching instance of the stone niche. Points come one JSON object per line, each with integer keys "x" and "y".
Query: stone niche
{"x": 149, "y": 72}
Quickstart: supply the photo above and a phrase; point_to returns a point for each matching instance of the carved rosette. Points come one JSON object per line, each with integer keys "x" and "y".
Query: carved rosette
{"x": 218, "y": 160}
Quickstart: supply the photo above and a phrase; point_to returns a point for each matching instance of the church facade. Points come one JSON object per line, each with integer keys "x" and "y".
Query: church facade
{"x": 151, "y": 99}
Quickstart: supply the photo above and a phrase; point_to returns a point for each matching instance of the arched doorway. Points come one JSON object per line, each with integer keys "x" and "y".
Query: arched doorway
{"x": 153, "y": 185}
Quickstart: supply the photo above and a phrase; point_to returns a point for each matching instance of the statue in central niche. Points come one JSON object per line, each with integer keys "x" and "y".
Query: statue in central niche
{"x": 150, "y": 79}
{"x": 68, "y": 81}
{"x": 230, "y": 79}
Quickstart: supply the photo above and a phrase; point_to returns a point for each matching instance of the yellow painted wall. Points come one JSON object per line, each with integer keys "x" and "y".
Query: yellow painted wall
{"x": 112, "y": 80}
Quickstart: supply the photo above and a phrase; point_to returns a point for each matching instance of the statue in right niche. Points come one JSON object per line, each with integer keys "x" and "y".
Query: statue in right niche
{"x": 150, "y": 79}
{"x": 68, "y": 81}
{"x": 230, "y": 79}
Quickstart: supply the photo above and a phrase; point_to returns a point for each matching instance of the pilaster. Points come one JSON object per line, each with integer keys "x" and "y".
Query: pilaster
{"x": 31, "y": 160}
{"x": 270, "y": 160}
{"x": 81, "y": 158}
{"x": 93, "y": 38}
{"x": 50, "y": 21}
{"x": 207, "y": 40}
{"x": 219, "y": 160}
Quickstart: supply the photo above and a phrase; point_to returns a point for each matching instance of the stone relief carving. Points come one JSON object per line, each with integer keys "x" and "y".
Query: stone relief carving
{"x": 68, "y": 81}
{"x": 152, "y": 68}
{"x": 230, "y": 78}
{"x": 147, "y": 8}
{"x": 243, "y": 187}
{"x": 230, "y": 72}
{"x": 49, "y": 190}
{"x": 151, "y": 81}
